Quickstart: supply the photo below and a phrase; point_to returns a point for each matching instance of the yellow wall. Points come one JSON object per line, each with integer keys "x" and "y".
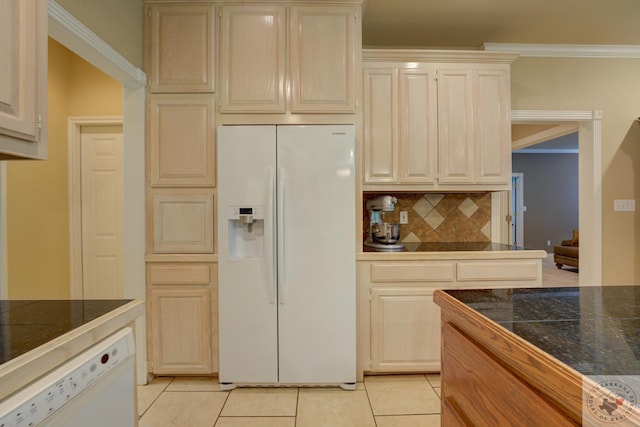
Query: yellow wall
{"x": 37, "y": 191}
{"x": 117, "y": 22}
{"x": 613, "y": 86}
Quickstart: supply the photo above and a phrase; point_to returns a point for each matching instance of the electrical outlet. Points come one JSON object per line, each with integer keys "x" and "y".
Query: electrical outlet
{"x": 548, "y": 242}
{"x": 404, "y": 217}
{"x": 624, "y": 205}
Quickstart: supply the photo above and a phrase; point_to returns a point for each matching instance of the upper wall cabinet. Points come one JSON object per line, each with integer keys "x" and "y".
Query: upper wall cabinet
{"x": 23, "y": 79}
{"x": 400, "y": 125}
{"x": 180, "y": 47}
{"x": 317, "y": 73}
{"x": 252, "y": 74}
{"x": 436, "y": 120}
{"x": 474, "y": 129}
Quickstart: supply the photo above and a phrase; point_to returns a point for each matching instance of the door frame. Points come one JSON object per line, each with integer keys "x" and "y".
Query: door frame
{"x": 75, "y": 125}
{"x": 590, "y": 178}
{"x": 518, "y": 213}
{"x": 4, "y": 264}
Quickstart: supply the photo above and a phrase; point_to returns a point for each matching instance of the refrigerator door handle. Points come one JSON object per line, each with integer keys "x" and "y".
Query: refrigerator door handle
{"x": 269, "y": 249}
{"x": 282, "y": 277}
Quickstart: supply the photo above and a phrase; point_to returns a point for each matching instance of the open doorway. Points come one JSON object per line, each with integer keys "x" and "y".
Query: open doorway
{"x": 71, "y": 33}
{"x": 550, "y": 197}
{"x": 589, "y": 126}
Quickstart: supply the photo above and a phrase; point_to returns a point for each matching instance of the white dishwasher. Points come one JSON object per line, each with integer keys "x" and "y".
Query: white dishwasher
{"x": 95, "y": 388}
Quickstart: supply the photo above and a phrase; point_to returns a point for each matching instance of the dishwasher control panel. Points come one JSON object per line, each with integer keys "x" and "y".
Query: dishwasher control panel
{"x": 33, "y": 404}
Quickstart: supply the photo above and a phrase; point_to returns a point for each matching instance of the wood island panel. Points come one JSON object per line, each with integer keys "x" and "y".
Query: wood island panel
{"x": 532, "y": 372}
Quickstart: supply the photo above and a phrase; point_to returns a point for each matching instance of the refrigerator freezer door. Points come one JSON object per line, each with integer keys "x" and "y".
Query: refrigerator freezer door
{"x": 246, "y": 287}
{"x": 317, "y": 318}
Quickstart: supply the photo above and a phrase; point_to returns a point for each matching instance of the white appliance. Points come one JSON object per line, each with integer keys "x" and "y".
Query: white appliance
{"x": 96, "y": 388}
{"x": 286, "y": 258}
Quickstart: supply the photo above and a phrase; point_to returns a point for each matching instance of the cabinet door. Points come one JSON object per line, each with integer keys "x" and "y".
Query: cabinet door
{"x": 405, "y": 330}
{"x": 180, "y": 319}
{"x": 179, "y": 46}
{"x": 323, "y": 43}
{"x": 492, "y": 126}
{"x": 380, "y": 125}
{"x": 182, "y": 221}
{"x": 183, "y": 321}
{"x": 181, "y": 140}
{"x": 417, "y": 134}
{"x": 455, "y": 126}
{"x": 23, "y": 78}
{"x": 253, "y": 43}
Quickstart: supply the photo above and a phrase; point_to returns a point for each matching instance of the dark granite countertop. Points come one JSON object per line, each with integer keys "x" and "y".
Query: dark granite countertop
{"x": 453, "y": 247}
{"x": 25, "y": 325}
{"x": 594, "y": 330}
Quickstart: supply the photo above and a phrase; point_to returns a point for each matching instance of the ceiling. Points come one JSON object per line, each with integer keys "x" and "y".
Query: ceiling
{"x": 470, "y": 23}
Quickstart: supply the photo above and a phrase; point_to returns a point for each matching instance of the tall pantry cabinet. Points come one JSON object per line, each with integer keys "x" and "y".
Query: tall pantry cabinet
{"x": 213, "y": 63}
{"x": 181, "y": 264}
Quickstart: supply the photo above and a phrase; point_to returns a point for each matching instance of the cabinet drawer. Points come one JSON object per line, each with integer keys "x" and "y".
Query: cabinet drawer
{"x": 180, "y": 274}
{"x": 503, "y": 270}
{"x": 413, "y": 272}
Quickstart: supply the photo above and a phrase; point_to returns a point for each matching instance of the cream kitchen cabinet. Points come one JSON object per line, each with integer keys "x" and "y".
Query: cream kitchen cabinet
{"x": 180, "y": 47}
{"x": 182, "y": 221}
{"x": 398, "y": 322}
{"x": 284, "y": 57}
{"x": 400, "y": 125}
{"x": 404, "y": 330}
{"x": 436, "y": 120}
{"x": 23, "y": 79}
{"x": 474, "y": 125}
{"x": 182, "y": 307}
{"x": 181, "y": 140}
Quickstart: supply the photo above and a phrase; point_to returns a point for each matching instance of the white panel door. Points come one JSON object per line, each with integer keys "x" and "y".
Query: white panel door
{"x": 246, "y": 285}
{"x": 316, "y": 254}
{"x": 101, "y": 177}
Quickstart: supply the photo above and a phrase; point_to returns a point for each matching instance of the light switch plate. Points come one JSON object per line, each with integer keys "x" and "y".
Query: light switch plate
{"x": 404, "y": 217}
{"x": 624, "y": 205}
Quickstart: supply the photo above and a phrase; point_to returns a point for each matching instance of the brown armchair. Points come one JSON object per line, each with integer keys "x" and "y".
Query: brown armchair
{"x": 567, "y": 252}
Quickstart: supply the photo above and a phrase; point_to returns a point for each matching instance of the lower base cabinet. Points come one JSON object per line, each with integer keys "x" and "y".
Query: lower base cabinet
{"x": 404, "y": 332}
{"x": 182, "y": 318}
{"x": 398, "y": 322}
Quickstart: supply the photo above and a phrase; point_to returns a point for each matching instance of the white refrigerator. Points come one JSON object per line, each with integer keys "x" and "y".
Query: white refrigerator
{"x": 286, "y": 255}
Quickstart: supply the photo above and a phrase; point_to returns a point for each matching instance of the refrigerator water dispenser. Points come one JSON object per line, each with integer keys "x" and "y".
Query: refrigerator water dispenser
{"x": 246, "y": 231}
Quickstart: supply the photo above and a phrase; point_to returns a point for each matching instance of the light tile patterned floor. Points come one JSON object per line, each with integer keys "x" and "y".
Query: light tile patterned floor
{"x": 395, "y": 400}
{"x": 382, "y": 401}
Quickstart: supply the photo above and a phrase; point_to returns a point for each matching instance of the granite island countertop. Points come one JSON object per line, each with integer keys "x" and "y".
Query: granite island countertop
{"x": 594, "y": 330}
{"x": 573, "y": 354}
{"x": 39, "y": 335}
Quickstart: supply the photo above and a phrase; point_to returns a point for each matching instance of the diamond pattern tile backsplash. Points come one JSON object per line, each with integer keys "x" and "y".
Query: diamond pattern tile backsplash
{"x": 439, "y": 217}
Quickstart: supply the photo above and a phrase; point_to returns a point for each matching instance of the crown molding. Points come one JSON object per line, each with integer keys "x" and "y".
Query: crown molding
{"x": 66, "y": 29}
{"x": 567, "y": 50}
{"x": 431, "y": 55}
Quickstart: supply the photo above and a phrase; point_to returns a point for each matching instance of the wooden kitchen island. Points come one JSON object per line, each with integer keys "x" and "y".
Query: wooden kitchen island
{"x": 531, "y": 357}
